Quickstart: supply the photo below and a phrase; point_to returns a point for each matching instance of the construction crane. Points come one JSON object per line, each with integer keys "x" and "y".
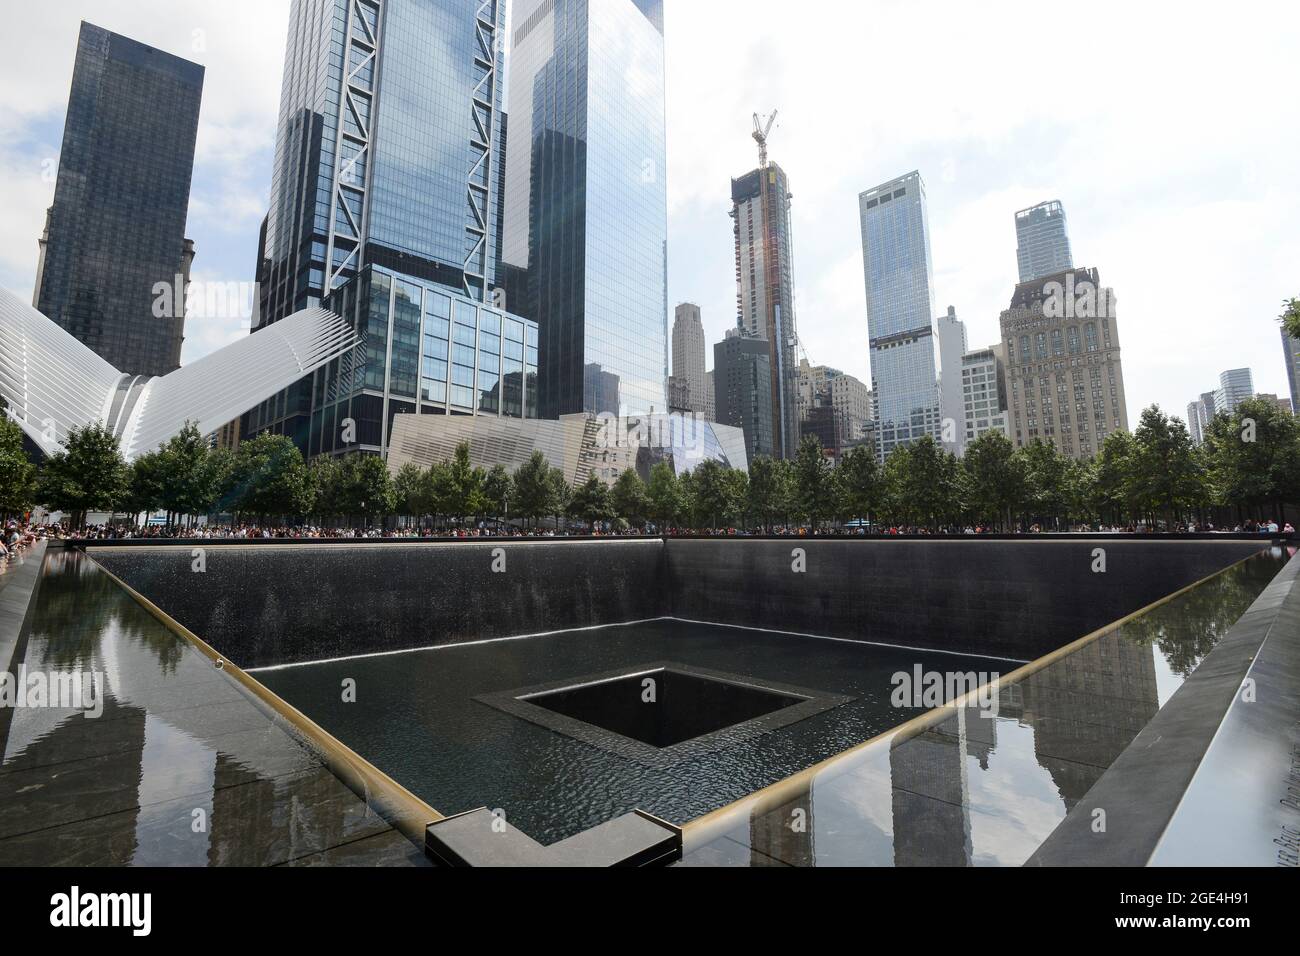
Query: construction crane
{"x": 761, "y": 131}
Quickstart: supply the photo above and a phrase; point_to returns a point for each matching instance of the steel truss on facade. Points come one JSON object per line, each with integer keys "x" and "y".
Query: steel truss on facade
{"x": 53, "y": 383}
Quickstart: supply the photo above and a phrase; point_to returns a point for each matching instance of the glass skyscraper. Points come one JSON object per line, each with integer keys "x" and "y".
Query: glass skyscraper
{"x": 900, "y": 311}
{"x": 586, "y": 208}
{"x": 1042, "y": 241}
{"x": 117, "y": 226}
{"x": 388, "y": 157}
{"x": 760, "y": 211}
{"x": 1291, "y": 352}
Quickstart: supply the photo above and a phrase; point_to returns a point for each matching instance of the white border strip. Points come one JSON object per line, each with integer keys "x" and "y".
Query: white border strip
{"x": 597, "y": 627}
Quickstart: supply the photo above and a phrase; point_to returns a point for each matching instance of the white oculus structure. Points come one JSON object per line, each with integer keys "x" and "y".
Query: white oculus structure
{"x": 53, "y": 383}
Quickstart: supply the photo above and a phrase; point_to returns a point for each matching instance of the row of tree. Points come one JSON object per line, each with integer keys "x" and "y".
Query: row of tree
{"x": 1249, "y": 465}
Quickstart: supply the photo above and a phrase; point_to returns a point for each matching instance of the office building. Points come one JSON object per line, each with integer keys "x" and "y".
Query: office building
{"x": 984, "y": 392}
{"x": 114, "y": 261}
{"x": 1066, "y": 381}
{"x": 951, "y": 333}
{"x": 1235, "y": 386}
{"x": 688, "y": 357}
{"x": 586, "y": 205}
{"x": 742, "y": 380}
{"x": 1282, "y": 404}
{"x": 1042, "y": 241}
{"x": 764, "y": 257}
{"x": 900, "y": 318}
{"x": 388, "y": 155}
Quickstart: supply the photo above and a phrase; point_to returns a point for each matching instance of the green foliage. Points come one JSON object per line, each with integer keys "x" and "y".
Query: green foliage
{"x": 771, "y": 490}
{"x": 591, "y": 501}
{"x": 922, "y": 484}
{"x": 1290, "y": 318}
{"x": 17, "y": 473}
{"x": 269, "y": 479}
{"x": 365, "y": 487}
{"x": 1165, "y": 475}
{"x": 663, "y": 496}
{"x": 89, "y": 474}
{"x": 497, "y": 491}
{"x": 814, "y": 492}
{"x": 408, "y": 490}
{"x": 629, "y": 498}
{"x": 1253, "y": 455}
{"x": 995, "y": 479}
{"x": 533, "y": 490}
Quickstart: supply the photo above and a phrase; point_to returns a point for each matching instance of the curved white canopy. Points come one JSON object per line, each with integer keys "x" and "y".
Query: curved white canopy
{"x": 53, "y": 382}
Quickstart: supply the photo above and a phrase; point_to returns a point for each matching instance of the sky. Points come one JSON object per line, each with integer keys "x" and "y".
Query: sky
{"x": 1168, "y": 132}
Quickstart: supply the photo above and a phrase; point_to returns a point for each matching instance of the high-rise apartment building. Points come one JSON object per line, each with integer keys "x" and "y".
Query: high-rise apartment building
{"x": 1291, "y": 354}
{"x": 952, "y": 405}
{"x": 1063, "y": 363}
{"x": 688, "y": 357}
{"x": 1042, "y": 241}
{"x": 385, "y": 201}
{"x": 900, "y": 317}
{"x": 742, "y": 379}
{"x": 984, "y": 392}
{"x": 586, "y": 205}
{"x": 764, "y": 255}
{"x": 1235, "y": 386}
{"x": 115, "y": 236}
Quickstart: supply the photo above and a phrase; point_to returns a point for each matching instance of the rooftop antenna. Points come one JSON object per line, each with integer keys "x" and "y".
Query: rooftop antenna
{"x": 761, "y": 131}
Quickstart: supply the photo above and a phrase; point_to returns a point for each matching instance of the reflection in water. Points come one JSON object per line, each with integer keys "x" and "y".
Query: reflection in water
{"x": 182, "y": 768}
{"x": 978, "y": 790}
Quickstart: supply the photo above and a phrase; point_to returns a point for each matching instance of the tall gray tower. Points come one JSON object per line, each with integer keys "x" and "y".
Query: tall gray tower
{"x": 1042, "y": 242}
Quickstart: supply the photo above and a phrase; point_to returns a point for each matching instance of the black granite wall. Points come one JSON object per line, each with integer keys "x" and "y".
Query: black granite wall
{"x": 263, "y": 605}
{"x": 1010, "y": 598}
{"x": 277, "y": 605}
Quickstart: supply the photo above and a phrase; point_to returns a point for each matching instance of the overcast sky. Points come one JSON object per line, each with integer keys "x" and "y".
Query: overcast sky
{"x": 1168, "y": 131}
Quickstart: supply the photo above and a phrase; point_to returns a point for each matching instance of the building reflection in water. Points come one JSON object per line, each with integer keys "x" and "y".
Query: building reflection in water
{"x": 970, "y": 789}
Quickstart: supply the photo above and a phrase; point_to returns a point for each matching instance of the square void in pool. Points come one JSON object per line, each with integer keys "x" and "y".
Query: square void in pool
{"x": 664, "y": 712}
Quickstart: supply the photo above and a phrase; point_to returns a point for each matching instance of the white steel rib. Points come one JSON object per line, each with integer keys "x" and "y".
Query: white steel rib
{"x": 53, "y": 383}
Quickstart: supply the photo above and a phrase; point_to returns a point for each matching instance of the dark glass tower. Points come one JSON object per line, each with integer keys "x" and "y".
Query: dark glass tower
{"x": 388, "y": 155}
{"x": 586, "y": 213}
{"x": 117, "y": 226}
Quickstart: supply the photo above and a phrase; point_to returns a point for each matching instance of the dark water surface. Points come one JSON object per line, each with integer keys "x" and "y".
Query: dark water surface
{"x": 415, "y": 717}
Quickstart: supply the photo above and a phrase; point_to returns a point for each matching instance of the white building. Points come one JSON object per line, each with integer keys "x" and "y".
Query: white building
{"x": 984, "y": 393}
{"x": 952, "y": 409}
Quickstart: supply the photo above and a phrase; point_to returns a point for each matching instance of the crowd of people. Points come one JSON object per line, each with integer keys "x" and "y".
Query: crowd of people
{"x": 17, "y": 537}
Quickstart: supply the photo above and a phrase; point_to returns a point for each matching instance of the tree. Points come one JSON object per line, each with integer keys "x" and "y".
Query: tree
{"x": 561, "y": 495}
{"x": 922, "y": 483}
{"x": 1290, "y": 318}
{"x": 859, "y": 485}
{"x": 270, "y": 479}
{"x": 996, "y": 483}
{"x": 17, "y": 473}
{"x": 590, "y": 502}
{"x": 497, "y": 491}
{"x": 1165, "y": 473}
{"x": 629, "y": 498}
{"x": 464, "y": 494}
{"x": 188, "y": 481}
{"x": 366, "y": 488}
{"x": 814, "y": 498}
{"x": 663, "y": 497}
{"x": 1045, "y": 472}
{"x": 89, "y": 474}
{"x": 1254, "y": 456}
{"x": 408, "y": 491}
{"x": 327, "y": 481}
{"x": 1114, "y": 487}
{"x": 713, "y": 493}
{"x": 145, "y": 485}
{"x": 533, "y": 488}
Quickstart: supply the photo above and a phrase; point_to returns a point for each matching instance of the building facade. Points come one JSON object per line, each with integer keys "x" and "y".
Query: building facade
{"x": 1291, "y": 355}
{"x": 116, "y": 230}
{"x": 388, "y": 153}
{"x": 1042, "y": 241}
{"x": 688, "y": 356}
{"x": 1235, "y": 386}
{"x": 1061, "y": 341}
{"x": 764, "y": 256}
{"x": 742, "y": 383}
{"x": 984, "y": 392}
{"x": 900, "y": 311}
{"x": 586, "y": 207}
{"x": 952, "y": 405}
{"x": 427, "y": 351}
